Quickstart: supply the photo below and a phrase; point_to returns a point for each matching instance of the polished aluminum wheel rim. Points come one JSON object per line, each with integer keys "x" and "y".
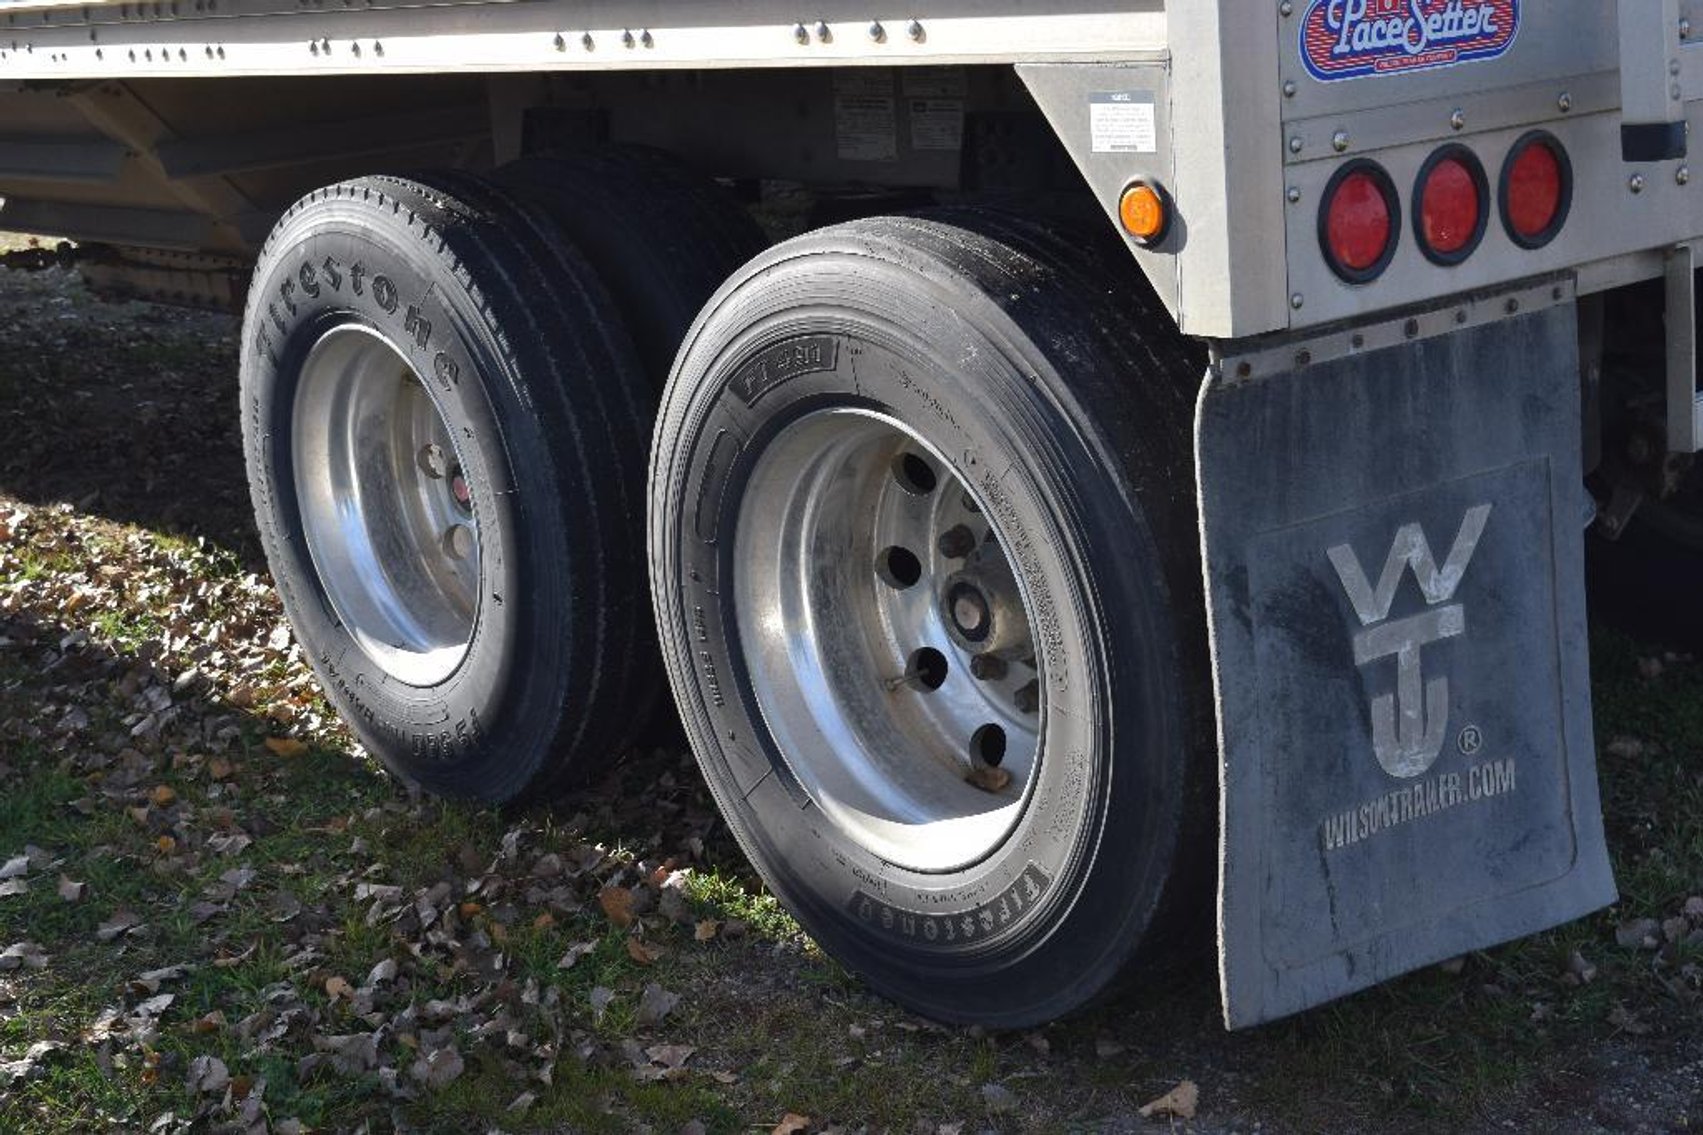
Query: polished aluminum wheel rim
{"x": 386, "y": 506}
{"x": 887, "y": 640}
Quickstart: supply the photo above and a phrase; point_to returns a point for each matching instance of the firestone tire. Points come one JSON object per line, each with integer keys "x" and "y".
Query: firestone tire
{"x": 431, "y": 455}
{"x": 847, "y": 409}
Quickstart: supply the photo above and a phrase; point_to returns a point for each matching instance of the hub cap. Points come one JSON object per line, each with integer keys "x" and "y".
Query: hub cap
{"x": 386, "y": 508}
{"x": 887, "y": 640}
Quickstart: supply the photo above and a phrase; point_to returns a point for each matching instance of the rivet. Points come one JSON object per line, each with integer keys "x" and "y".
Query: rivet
{"x": 1636, "y": 183}
{"x": 802, "y": 35}
{"x": 1682, "y": 175}
{"x": 1457, "y": 119}
{"x": 1339, "y": 141}
{"x": 823, "y": 32}
{"x": 1295, "y": 144}
{"x": 1357, "y": 340}
{"x": 647, "y": 39}
{"x": 378, "y": 47}
{"x": 1673, "y": 68}
{"x": 1286, "y": 8}
{"x": 1511, "y": 306}
{"x": 1684, "y": 29}
{"x": 1293, "y": 195}
{"x": 1289, "y": 88}
{"x": 1460, "y": 315}
{"x": 1297, "y": 301}
{"x": 877, "y": 33}
{"x": 1674, "y": 92}
{"x": 1244, "y": 369}
{"x": 627, "y": 39}
{"x": 915, "y": 31}
{"x": 1556, "y": 293}
{"x": 1565, "y": 102}
{"x": 1411, "y": 329}
{"x": 1303, "y": 358}
{"x": 587, "y": 42}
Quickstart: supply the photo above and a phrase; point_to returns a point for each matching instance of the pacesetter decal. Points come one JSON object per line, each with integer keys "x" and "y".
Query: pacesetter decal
{"x": 1351, "y": 39}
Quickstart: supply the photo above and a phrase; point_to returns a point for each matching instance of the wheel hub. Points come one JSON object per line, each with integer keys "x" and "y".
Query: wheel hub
{"x": 386, "y": 511}
{"x": 887, "y": 640}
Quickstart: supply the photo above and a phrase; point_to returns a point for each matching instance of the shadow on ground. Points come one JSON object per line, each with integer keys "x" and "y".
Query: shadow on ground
{"x": 128, "y": 411}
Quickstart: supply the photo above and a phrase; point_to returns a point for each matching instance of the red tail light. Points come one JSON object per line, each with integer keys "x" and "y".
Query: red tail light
{"x": 1359, "y": 221}
{"x": 1451, "y": 205}
{"x": 1536, "y": 190}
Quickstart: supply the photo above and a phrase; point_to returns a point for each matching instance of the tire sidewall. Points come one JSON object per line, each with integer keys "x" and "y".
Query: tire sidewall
{"x": 1052, "y": 906}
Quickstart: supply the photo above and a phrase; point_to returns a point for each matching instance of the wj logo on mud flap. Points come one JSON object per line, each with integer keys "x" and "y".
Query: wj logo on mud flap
{"x": 1408, "y": 726}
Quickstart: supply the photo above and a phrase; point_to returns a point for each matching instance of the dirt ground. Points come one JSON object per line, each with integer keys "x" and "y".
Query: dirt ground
{"x": 152, "y": 708}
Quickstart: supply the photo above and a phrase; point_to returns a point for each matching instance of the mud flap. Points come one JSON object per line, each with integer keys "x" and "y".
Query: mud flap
{"x": 1394, "y": 563}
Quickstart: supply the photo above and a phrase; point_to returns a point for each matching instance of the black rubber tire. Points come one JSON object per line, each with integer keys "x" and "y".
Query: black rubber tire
{"x": 1042, "y": 357}
{"x": 661, "y": 237}
{"x": 542, "y": 696}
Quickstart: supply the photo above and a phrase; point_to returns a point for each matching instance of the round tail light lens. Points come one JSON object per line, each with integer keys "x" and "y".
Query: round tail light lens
{"x": 1359, "y": 222}
{"x": 1451, "y": 205}
{"x": 1536, "y": 190}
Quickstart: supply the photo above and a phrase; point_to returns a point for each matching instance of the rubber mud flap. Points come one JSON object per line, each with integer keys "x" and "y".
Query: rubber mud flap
{"x": 1394, "y": 562}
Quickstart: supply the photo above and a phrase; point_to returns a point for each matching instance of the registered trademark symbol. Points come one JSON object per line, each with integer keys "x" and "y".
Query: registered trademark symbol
{"x": 1471, "y": 740}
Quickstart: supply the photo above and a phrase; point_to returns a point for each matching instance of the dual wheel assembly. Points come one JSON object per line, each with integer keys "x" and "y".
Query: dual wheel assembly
{"x": 918, "y": 529}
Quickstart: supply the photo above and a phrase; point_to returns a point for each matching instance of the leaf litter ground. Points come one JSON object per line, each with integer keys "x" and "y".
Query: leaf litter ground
{"x": 217, "y": 914}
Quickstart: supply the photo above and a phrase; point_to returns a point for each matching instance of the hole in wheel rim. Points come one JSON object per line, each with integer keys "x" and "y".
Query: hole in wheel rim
{"x": 899, "y": 568}
{"x": 987, "y": 745}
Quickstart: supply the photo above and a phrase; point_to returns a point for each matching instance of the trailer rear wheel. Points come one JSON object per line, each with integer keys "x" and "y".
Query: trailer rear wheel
{"x": 435, "y": 466}
{"x": 924, "y": 565}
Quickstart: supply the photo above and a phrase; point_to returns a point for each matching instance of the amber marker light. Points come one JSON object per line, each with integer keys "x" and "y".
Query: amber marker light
{"x": 1145, "y": 211}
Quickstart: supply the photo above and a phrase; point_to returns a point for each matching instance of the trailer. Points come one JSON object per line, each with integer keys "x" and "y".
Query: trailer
{"x": 1140, "y": 441}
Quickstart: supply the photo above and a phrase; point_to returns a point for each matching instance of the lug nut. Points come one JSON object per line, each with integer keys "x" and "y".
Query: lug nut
{"x": 458, "y": 542}
{"x": 957, "y": 542}
{"x": 1028, "y": 698}
{"x": 432, "y": 462}
{"x": 988, "y": 667}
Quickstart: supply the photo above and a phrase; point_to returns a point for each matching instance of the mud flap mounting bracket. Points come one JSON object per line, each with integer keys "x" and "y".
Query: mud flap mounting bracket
{"x": 1394, "y": 569}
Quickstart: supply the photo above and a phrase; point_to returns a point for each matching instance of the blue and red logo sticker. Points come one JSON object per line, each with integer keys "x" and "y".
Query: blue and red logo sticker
{"x": 1350, "y": 39}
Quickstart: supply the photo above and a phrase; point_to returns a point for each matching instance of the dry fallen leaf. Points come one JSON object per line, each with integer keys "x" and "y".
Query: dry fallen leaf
{"x": 600, "y": 997}
{"x": 27, "y": 955}
{"x": 617, "y": 903}
{"x": 792, "y": 1124}
{"x": 163, "y": 796}
{"x": 121, "y": 922}
{"x": 1179, "y": 1102}
{"x": 207, "y": 1074}
{"x": 655, "y": 1004}
{"x": 706, "y": 930}
{"x": 286, "y": 746}
{"x": 575, "y": 952}
{"x": 439, "y": 1069}
{"x": 337, "y": 987}
{"x": 72, "y": 891}
{"x": 643, "y": 952}
{"x": 219, "y": 769}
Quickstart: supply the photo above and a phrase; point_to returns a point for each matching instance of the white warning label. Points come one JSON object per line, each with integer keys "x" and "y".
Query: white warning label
{"x": 1123, "y": 122}
{"x": 866, "y": 117}
{"x": 937, "y": 124}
